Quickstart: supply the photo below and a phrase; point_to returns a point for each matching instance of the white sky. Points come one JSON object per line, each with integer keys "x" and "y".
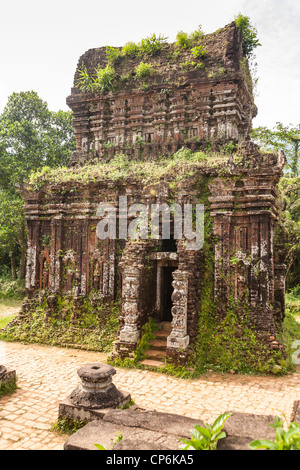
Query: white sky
{"x": 41, "y": 42}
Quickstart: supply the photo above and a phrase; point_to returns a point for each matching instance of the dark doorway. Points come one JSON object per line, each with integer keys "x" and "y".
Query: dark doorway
{"x": 166, "y": 292}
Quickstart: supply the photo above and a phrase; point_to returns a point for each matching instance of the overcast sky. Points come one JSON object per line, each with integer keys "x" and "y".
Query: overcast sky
{"x": 41, "y": 42}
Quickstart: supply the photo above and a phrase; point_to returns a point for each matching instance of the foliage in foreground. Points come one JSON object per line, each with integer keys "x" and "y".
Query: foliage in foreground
{"x": 206, "y": 438}
{"x": 286, "y": 439}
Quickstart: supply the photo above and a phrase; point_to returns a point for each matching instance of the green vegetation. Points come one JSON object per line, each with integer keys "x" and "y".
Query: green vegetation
{"x": 31, "y": 137}
{"x": 9, "y": 387}
{"x": 198, "y": 52}
{"x": 67, "y": 426}
{"x": 147, "y": 46}
{"x": 187, "y": 66}
{"x": 144, "y": 70}
{"x": 113, "y": 54}
{"x": 11, "y": 290}
{"x": 121, "y": 167}
{"x": 130, "y": 49}
{"x": 206, "y": 438}
{"x": 249, "y": 34}
{"x": 231, "y": 345}
{"x": 281, "y": 137}
{"x": 142, "y": 346}
{"x": 104, "y": 78}
{"x": 286, "y": 439}
{"x": 188, "y": 41}
{"x": 152, "y": 45}
{"x": 93, "y": 328}
{"x": 12, "y": 293}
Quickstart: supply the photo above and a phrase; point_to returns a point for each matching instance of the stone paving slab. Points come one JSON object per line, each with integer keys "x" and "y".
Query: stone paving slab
{"x": 47, "y": 375}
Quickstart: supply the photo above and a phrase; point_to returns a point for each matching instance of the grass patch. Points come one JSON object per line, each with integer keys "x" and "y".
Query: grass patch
{"x": 9, "y": 387}
{"x": 67, "y": 426}
{"x": 5, "y": 320}
{"x": 181, "y": 165}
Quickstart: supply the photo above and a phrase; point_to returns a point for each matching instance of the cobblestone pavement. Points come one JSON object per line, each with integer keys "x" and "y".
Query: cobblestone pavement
{"x": 47, "y": 375}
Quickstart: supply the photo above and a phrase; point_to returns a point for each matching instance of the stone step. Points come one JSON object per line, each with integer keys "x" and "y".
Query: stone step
{"x": 152, "y": 354}
{"x": 161, "y": 335}
{"x": 152, "y": 363}
{"x": 158, "y": 344}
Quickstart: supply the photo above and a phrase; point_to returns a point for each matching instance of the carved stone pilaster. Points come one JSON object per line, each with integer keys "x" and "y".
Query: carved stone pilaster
{"x": 130, "y": 305}
{"x": 178, "y": 338}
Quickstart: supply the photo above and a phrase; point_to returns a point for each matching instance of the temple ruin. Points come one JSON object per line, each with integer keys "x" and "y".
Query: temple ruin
{"x": 186, "y": 104}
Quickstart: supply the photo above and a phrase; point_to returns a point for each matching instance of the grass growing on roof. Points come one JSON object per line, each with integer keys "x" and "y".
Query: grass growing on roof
{"x": 121, "y": 167}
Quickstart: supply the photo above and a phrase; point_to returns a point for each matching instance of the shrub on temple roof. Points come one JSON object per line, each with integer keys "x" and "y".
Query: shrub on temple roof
{"x": 153, "y": 44}
{"x": 84, "y": 81}
{"x": 113, "y": 54}
{"x": 130, "y": 48}
{"x": 186, "y": 40}
{"x": 104, "y": 78}
{"x": 143, "y": 70}
{"x": 198, "y": 52}
{"x": 249, "y": 34}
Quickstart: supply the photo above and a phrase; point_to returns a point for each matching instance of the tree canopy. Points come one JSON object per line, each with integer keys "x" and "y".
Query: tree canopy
{"x": 281, "y": 137}
{"x": 31, "y": 136}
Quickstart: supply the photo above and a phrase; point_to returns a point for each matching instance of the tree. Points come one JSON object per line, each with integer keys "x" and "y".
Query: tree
{"x": 286, "y": 138}
{"x": 290, "y": 193}
{"x": 31, "y": 136}
{"x": 12, "y": 234}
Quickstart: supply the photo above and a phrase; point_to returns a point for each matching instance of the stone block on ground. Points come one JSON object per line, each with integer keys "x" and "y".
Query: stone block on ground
{"x": 151, "y": 430}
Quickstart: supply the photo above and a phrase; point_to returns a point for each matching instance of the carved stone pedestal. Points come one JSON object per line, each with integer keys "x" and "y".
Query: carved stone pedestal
{"x": 95, "y": 395}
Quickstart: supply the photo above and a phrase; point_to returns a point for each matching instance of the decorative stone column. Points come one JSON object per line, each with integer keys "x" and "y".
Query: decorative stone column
{"x": 130, "y": 332}
{"x": 178, "y": 339}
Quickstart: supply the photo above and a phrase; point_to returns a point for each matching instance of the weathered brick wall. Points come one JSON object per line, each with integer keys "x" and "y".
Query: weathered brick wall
{"x": 179, "y": 107}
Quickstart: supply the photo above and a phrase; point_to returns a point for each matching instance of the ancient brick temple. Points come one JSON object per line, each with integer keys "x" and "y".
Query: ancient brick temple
{"x": 184, "y": 104}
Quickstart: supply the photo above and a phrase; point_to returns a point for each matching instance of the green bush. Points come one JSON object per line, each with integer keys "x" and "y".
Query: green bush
{"x": 131, "y": 49}
{"x": 143, "y": 71}
{"x": 249, "y": 34}
{"x": 152, "y": 45}
{"x": 84, "y": 81}
{"x": 188, "y": 66}
{"x": 183, "y": 40}
{"x": 113, "y": 54}
{"x": 104, "y": 78}
{"x": 198, "y": 52}
{"x": 94, "y": 328}
{"x": 186, "y": 41}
